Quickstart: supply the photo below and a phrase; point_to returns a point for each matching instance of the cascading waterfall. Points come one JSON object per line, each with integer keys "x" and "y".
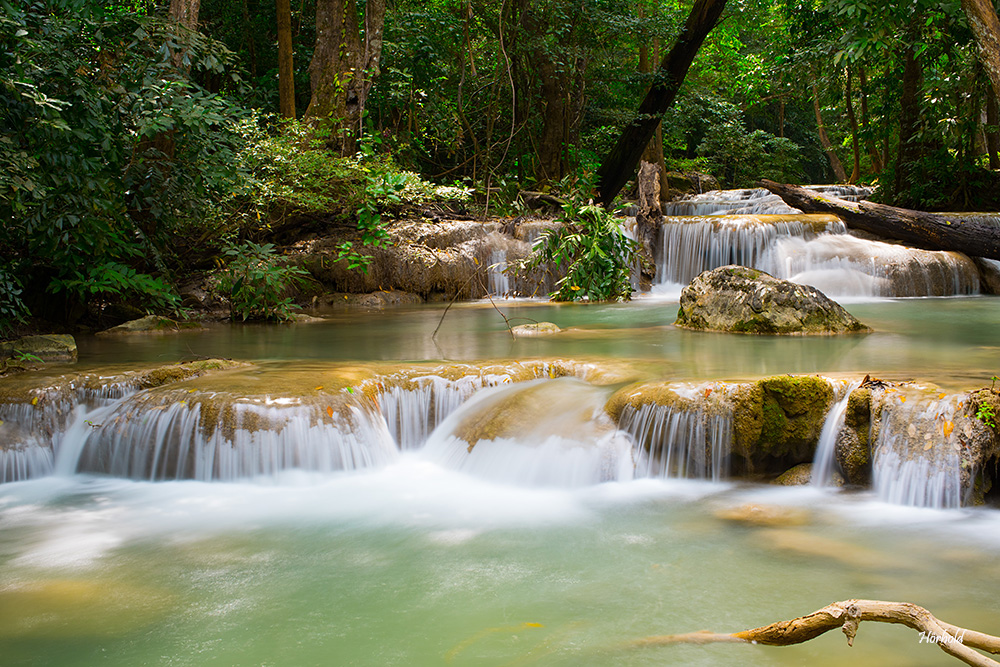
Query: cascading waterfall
{"x": 690, "y": 441}
{"x": 547, "y": 432}
{"x": 161, "y": 438}
{"x": 808, "y": 249}
{"x": 825, "y": 459}
{"x": 414, "y": 411}
{"x": 916, "y": 454}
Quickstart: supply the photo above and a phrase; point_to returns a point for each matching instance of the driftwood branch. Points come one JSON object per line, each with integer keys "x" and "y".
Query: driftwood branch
{"x": 846, "y": 615}
{"x": 917, "y": 228}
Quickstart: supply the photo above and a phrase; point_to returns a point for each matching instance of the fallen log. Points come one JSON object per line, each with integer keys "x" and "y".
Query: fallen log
{"x": 846, "y": 615}
{"x": 915, "y": 228}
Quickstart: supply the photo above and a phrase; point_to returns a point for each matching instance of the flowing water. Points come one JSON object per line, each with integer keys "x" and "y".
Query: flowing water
{"x": 417, "y": 487}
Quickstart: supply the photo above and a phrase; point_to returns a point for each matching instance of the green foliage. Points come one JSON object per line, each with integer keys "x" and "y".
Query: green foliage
{"x": 256, "y": 283}
{"x": 591, "y": 244}
{"x": 986, "y": 414}
{"x": 107, "y": 149}
{"x": 12, "y": 309}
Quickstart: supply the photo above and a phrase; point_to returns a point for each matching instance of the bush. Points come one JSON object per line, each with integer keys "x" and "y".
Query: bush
{"x": 598, "y": 256}
{"x": 256, "y": 283}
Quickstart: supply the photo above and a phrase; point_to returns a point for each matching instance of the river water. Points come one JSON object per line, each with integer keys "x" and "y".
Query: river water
{"x": 413, "y": 562}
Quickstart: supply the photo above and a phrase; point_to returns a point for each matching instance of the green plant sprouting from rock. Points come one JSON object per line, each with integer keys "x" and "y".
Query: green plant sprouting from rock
{"x": 255, "y": 282}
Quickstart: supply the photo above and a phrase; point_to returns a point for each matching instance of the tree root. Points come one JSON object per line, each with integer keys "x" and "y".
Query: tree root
{"x": 846, "y": 615}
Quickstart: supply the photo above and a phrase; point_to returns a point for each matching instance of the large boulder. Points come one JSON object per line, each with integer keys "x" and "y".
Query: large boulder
{"x": 737, "y": 299}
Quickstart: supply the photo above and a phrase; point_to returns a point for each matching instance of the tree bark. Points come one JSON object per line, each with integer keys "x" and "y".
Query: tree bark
{"x": 909, "y": 151}
{"x": 184, "y": 13}
{"x": 824, "y": 139}
{"x": 343, "y": 67}
{"x": 986, "y": 29}
{"x": 877, "y": 164}
{"x": 621, "y": 162}
{"x": 654, "y": 149}
{"x": 916, "y": 228}
{"x": 847, "y": 615}
{"x": 286, "y": 72}
{"x": 849, "y": 94}
{"x": 992, "y": 131}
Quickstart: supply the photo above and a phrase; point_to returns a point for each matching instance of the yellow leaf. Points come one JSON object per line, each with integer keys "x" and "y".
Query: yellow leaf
{"x": 948, "y": 428}
{"x": 319, "y": 387}
{"x": 329, "y": 411}
{"x": 533, "y": 625}
{"x": 575, "y": 288}
{"x": 34, "y": 401}
{"x": 902, "y": 399}
{"x": 928, "y": 446}
{"x": 942, "y": 395}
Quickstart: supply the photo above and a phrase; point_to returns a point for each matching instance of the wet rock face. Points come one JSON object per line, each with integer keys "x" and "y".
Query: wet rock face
{"x": 738, "y": 299}
{"x": 779, "y": 420}
{"x": 853, "y": 449}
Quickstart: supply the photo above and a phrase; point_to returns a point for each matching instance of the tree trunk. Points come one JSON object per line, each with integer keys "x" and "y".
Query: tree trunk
{"x": 909, "y": 151}
{"x": 992, "y": 131}
{"x": 849, "y": 94}
{"x": 847, "y": 615}
{"x": 877, "y": 164}
{"x": 286, "y": 73}
{"x": 824, "y": 139}
{"x": 916, "y": 228}
{"x": 621, "y": 162}
{"x": 654, "y": 149}
{"x": 184, "y": 13}
{"x": 343, "y": 66}
{"x": 986, "y": 29}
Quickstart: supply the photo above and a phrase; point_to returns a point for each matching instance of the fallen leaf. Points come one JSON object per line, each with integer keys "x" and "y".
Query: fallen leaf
{"x": 902, "y": 399}
{"x": 949, "y": 426}
{"x": 911, "y": 430}
{"x": 319, "y": 387}
{"x": 34, "y": 400}
{"x": 928, "y": 446}
{"x": 329, "y": 411}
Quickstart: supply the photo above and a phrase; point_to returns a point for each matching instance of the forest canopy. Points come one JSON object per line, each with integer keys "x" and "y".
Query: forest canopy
{"x": 140, "y": 138}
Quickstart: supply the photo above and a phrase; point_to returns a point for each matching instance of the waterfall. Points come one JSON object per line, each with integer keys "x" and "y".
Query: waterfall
{"x": 916, "y": 454}
{"x": 807, "y": 249}
{"x": 691, "y": 442}
{"x": 538, "y": 433}
{"x": 414, "y": 411}
{"x": 825, "y": 459}
{"x": 163, "y": 437}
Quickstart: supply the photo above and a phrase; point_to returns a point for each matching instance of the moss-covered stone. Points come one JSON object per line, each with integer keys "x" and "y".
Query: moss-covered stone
{"x": 739, "y": 299}
{"x": 47, "y": 347}
{"x": 854, "y": 442}
{"x": 150, "y": 324}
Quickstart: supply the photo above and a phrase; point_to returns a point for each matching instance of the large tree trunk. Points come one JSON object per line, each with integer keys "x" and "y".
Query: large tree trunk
{"x": 924, "y": 230}
{"x": 877, "y": 164}
{"x": 343, "y": 67}
{"x": 909, "y": 149}
{"x": 620, "y": 164}
{"x": 654, "y": 149}
{"x": 286, "y": 72}
{"x": 986, "y": 28}
{"x": 824, "y": 139}
{"x": 849, "y": 95}
{"x": 184, "y": 13}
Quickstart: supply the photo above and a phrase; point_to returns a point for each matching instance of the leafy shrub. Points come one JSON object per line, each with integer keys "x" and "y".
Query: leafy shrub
{"x": 592, "y": 245}
{"x": 256, "y": 283}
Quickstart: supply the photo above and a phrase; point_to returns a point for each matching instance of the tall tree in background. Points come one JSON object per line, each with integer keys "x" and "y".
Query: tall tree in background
{"x": 343, "y": 66}
{"x": 286, "y": 73}
{"x": 619, "y": 166}
{"x": 985, "y": 26}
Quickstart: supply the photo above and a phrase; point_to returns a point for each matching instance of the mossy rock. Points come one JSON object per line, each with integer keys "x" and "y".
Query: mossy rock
{"x": 535, "y": 329}
{"x": 47, "y": 347}
{"x": 738, "y": 299}
{"x": 151, "y": 324}
{"x": 778, "y": 420}
{"x": 854, "y": 442}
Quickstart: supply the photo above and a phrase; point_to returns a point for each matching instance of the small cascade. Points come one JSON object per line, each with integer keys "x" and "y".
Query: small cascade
{"x": 164, "y": 437}
{"x": 917, "y": 452}
{"x": 413, "y": 411}
{"x": 812, "y": 250}
{"x": 537, "y": 433}
{"x": 683, "y": 440}
{"x": 689, "y": 246}
{"x": 729, "y": 202}
{"x": 498, "y": 282}
{"x": 825, "y": 462}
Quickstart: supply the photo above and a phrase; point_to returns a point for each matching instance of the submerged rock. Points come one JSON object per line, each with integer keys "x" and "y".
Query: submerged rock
{"x": 535, "y": 329}
{"x": 738, "y": 299}
{"x": 765, "y": 515}
{"x": 151, "y": 324}
{"x": 48, "y": 347}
